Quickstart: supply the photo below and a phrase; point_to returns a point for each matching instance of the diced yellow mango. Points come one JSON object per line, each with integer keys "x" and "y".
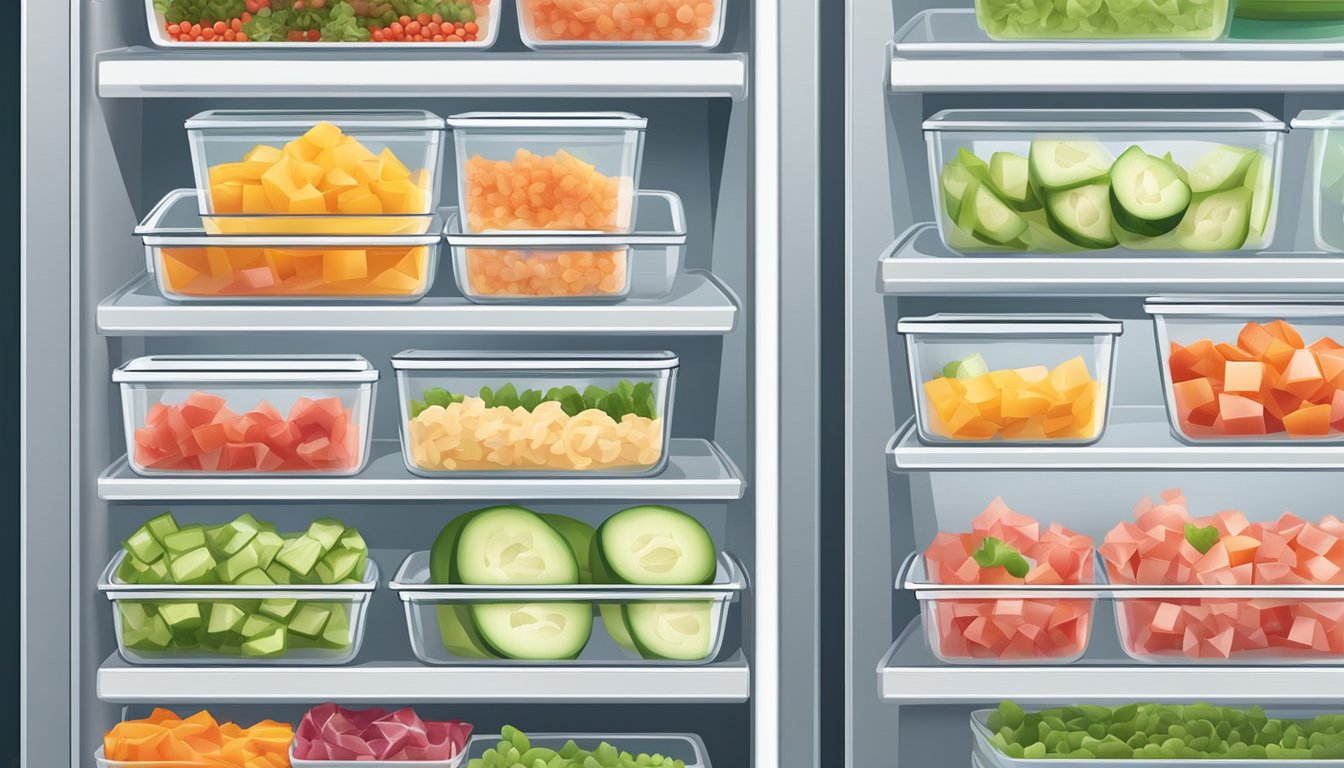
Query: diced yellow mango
{"x": 367, "y": 171}
{"x": 218, "y": 261}
{"x": 1024, "y": 403}
{"x": 179, "y": 269}
{"x": 340, "y": 265}
{"x": 308, "y": 263}
{"x": 359, "y": 201}
{"x": 337, "y": 178}
{"x": 278, "y": 183}
{"x": 1033, "y": 374}
{"x": 396, "y": 281}
{"x": 980, "y": 389}
{"x": 305, "y": 173}
{"x": 1070, "y": 375}
{"x": 302, "y": 149}
{"x": 227, "y": 172}
{"x": 349, "y": 154}
{"x": 1006, "y": 378}
{"x": 390, "y": 168}
{"x": 281, "y": 263}
{"x": 307, "y": 200}
{"x": 263, "y": 153}
{"x": 323, "y": 135}
{"x": 392, "y": 194}
{"x": 227, "y": 197}
{"x": 421, "y": 179}
{"x": 254, "y": 199}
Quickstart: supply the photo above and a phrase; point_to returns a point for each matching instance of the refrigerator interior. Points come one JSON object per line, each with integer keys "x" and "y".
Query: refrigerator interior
{"x": 920, "y": 715}
{"x": 713, "y": 143}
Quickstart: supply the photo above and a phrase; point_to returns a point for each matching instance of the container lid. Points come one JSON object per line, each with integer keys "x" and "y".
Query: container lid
{"x": 547, "y": 120}
{"x": 660, "y": 220}
{"x": 1005, "y": 323}
{"x": 270, "y": 368}
{"x": 1046, "y": 120}
{"x": 429, "y": 360}
{"x": 176, "y": 220}
{"x": 1319, "y": 119}
{"x": 1246, "y": 306}
{"x": 346, "y": 119}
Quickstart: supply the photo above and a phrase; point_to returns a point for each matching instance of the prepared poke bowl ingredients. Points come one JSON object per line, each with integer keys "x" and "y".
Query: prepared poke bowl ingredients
{"x": 329, "y": 733}
{"x": 575, "y": 172}
{"x": 515, "y": 748}
{"x": 1008, "y": 548}
{"x": 466, "y": 23}
{"x": 166, "y": 738}
{"x": 1058, "y": 181}
{"x": 1166, "y": 545}
{"x": 1104, "y": 20}
{"x": 241, "y": 591}
{"x": 535, "y": 414}
{"x": 1168, "y": 732}
{"x": 1274, "y": 378}
{"x": 369, "y": 172}
{"x": 601, "y": 23}
{"x": 267, "y": 415}
{"x": 1009, "y": 378}
{"x": 492, "y": 587}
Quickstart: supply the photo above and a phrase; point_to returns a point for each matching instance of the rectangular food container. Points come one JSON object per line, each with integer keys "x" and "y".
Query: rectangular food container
{"x": 362, "y": 172}
{"x": 1011, "y": 379}
{"x": 546, "y": 24}
{"x": 459, "y": 414}
{"x": 686, "y": 747}
{"x": 548, "y": 171}
{"x": 591, "y": 624}
{"x": 1106, "y": 20}
{"x": 1327, "y": 173}
{"x": 262, "y": 416}
{"x": 944, "y": 608}
{"x": 1277, "y": 393}
{"x": 261, "y": 32}
{"x": 190, "y": 265}
{"x": 141, "y": 639}
{"x": 1070, "y": 180}
{"x": 528, "y": 268}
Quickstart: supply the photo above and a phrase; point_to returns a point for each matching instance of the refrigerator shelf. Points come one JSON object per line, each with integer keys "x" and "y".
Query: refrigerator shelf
{"x": 910, "y": 674}
{"x": 698, "y": 305}
{"x": 945, "y": 51}
{"x": 918, "y": 263}
{"x": 1137, "y": 438}
{"x": 407, "y": 681}
{"x": 140, "y": 72}
{"x": 697, "y": 470}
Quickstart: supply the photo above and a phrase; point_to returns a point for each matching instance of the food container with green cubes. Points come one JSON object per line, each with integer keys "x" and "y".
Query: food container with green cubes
{"x": 1077, "y": 180}
{"x": 1104, "y": 19}
{"x": 1327, "y": 169}
{"x": 239, "y": 593}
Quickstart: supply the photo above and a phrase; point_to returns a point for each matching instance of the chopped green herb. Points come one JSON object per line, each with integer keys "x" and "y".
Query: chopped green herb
{"x": 997, "y": 553}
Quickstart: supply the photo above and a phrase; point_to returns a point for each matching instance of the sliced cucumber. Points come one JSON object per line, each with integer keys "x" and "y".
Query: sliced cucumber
{"x": 1222, "y": 167}
{"x": 1260, "y": 180}
{"x": 972, "y": 162}
{"x": 1064, "y": 164}
{"x": 1082, "y": 215}
{"x": 512, "y": 545}
{"x": 1217, "y": 222}
{"x": 1147, "y": 197}
{"x": 683, "y": 631}
{"x": 534, "y": 631}
{"x": 954, "y": 181}
{"x": 984, "y": 215}
{"x": 1040, "y": 238}
{"x": 1176, "y": 168}
{"x": 580, "y": 537}
{"x": 654, "y": 545}
{"x": 1010, "y": 175}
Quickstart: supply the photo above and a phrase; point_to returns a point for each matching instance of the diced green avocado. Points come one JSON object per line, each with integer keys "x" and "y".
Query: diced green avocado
{"x": 185, "y": 540}
{"x": 154, "y": 635}
{"x": 273, "y": 642}
{"x": 1056, "y": 165}
{"x": 142, "y": 546}
{"x": 279, "y": 574}
{"x": 156, "y": 573}
{"x": 337, "y": 632}
{"x": 186, "y": 640}
{"x": 352, "y": 541}
{"x": 1260, "y": 180}
{"x": 268, "y": 544}
{"x": 180, "y": 616}
{"x": 310, "y": 620}
{"x": 1221, "y": 168}
{"x": 1010, "y": 175}
{"x": 193, "y": 566}
{"x": 278, "y": 608}
{"x": 161, "y": 526}
{"x": 254, "y": 578}
{"x": 130, "y": 570}
{"x": 1216, "y": 222}
{"x": 326, "y": 531}
{"x": 1147, "y": 197}
{"x": 134, "y": 615}
{"x": 300, "y": 555}
{"x": 337, "y": 566}
{"x": 984, "y": 215}
{"x": 954, "y": 181}
{"x": 234, "y": 536}
{"x": 245, "y": 560}
{"x": 1082, "y": 215}
{"x": 257, "y": 624}
{"x": 225, "y": 617}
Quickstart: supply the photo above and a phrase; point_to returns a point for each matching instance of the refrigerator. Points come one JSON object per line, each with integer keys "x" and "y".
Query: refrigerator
{"x": 104, "y": 108}
{"x": 907, "y": 62}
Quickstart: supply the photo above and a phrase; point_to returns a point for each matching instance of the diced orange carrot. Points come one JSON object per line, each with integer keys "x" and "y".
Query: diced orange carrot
{"x": 1311, "y": 420}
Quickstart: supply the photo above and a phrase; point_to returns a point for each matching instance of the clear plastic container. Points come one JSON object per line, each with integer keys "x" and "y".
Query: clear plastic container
{"x": 484, "y": 13}
{"x": 136, "y": 606}
{"x": 1063, "y": 180}
{"x": 453, "y": 762}
{"x": 687, "y": 747}
{"x": 1276, "y": 393}
{"x": 1106, "y": 20}
{"x": 1011, "y": 379}
{"x": 263, "y": 416}
{"x": 1327, "y": 172}
{"x": 536, "y": 154}
{"x": 546, "y": 24}
{"x": 190, "y": 265}
{"x": 460, "y": 417}
{"x": 527, "y": 268}
{"x": 443, "y": 619}
{"x": 367, "y": 172}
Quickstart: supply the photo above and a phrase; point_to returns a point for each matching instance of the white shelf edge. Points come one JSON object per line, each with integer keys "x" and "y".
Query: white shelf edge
{"x": 699, "y": 304}
{"x": 698, "y": 470}
{"x": 164, "y": 73}
{"x": 727, "y": 681}
{"x": 917, "y": 263}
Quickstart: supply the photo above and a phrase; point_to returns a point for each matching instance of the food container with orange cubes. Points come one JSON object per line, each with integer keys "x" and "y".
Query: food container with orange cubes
{"x": 1011, "y": 379}
{"x": 262, "y": 416}
{"x": 359, "y": 172}
{"x": 546, "y": 24}
{"x": 551, "y": 414}
{"x": 1251, "y": 370}
{"x": 189, "y": 264}
{"x": 525, "y": 268}
{"x": 548, "y": 171}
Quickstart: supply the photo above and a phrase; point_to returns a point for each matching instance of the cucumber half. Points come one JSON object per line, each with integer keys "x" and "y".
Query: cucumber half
{"x": 1221, "y": 168}
{"x": 1064, "y": 164}
{"x": 1082, "y": 215}
{"x": 1147, "y": 197}
{"x": 986, "y": 217}
{"x": 683, "y": 631}
{"x": 655, "y": 545}
{"x": 534, "y": 631}
{"x": 512, "y": 545}
{"x": 1217, "y": 222}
